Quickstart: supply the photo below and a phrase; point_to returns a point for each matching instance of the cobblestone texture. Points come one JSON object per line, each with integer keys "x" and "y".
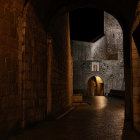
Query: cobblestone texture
{"x": 103, "y": 119}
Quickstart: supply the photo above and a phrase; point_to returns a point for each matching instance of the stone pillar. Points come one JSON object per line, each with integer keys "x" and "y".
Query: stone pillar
{"x": 49, "y": 69}
{"x": 136, "y": 85}
{"x": 70, "y": 67}
{"x": 127, "y": 76}
{"x": 135, "y": 47}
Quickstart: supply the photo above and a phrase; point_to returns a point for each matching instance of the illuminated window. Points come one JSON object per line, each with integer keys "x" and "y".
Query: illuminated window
{"x": 95, "y": 66}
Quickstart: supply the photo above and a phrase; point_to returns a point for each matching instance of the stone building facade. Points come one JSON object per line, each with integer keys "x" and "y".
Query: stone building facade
{"x": 107, "y": 52}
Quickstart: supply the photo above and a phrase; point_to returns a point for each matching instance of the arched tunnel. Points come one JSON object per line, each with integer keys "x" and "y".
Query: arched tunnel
{"x": 60, "y": 62}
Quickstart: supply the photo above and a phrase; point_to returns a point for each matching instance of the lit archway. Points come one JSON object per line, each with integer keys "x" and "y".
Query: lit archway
{"x": 95, "y": 86}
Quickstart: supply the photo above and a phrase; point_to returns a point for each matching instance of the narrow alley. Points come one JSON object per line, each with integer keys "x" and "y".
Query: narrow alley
{"x": 70, "y": 70}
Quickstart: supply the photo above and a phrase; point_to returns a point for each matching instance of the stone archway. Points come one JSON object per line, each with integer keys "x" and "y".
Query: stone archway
{"x": 26, "y": 69}
{"x": 63, "y": 9}
{"x": 95, "y": 86}
{"x": 67, "y": 7}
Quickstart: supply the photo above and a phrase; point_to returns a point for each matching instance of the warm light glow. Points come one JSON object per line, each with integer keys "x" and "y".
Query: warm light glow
{"x": 101, "y": 102}
{"x": 98, "y": 79}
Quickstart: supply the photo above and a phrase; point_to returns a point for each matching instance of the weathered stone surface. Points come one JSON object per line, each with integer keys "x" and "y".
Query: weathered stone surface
{"x": 114, "y": 37}
{"x": 103, "y": 119}
{"x": 110, "y": 71}
{"x": 88, "y": 50}
{"x": 136, "y": 82}
{"x": 61, "y": 73}
{"x": 108, "y": 47}
{"x": 23, "y": 55}
{"x": 10, "y": 108}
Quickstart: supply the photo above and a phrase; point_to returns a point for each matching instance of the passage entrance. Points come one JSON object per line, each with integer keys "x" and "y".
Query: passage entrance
{"x": 95, "y": 86}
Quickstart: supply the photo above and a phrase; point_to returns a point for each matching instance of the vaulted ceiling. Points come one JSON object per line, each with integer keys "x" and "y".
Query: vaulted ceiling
{"x": 123, "y": 10}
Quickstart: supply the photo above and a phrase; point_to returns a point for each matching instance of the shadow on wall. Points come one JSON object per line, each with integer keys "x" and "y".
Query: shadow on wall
{"x": 95, "y": 86}
{"x": 136, "y": 38}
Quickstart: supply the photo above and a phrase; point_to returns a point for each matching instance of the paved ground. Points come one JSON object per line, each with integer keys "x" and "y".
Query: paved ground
{"x": 102, "y": 119}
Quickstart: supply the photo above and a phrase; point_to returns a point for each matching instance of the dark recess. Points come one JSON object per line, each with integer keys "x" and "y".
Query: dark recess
{"x": 86, "y": 24}
{"x": 136, "y": 36}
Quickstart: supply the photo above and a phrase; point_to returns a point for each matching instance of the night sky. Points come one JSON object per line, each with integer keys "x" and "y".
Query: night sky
{"x": 86, "y": 24}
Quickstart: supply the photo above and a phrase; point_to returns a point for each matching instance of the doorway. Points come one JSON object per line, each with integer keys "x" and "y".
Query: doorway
{"x": 95, "y": 86}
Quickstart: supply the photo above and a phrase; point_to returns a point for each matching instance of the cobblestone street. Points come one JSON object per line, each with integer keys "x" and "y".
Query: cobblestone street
{"x": 101, "y": 119}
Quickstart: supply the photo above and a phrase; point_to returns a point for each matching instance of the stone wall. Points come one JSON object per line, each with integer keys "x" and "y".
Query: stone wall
{"x": 107, "y": 51}
{"x": 111, "y": 72}
{"x": 33, "y": 68}
{"x": 136, "y": 83}
{"x": 135, "y": 46}
{"x": 46, "y": 68}
{"x": 61, "y": 80}
{"x": 10, "y": 105}
{"x": 25, "y": 57}
{"x": 13, "y": 66}
{"x": 114, "y": 37}
{"x": 88, "y": 50}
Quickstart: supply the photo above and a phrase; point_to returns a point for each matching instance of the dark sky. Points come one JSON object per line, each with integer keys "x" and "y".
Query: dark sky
{"x": 86, "y": 24}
